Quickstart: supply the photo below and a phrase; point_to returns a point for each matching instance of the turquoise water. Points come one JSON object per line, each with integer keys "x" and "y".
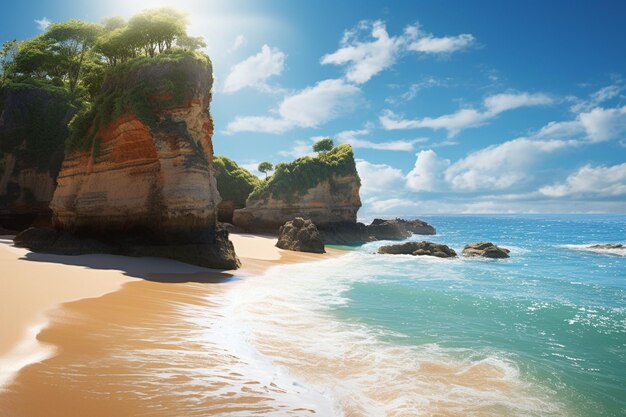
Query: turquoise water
{"x": 557, "y": 312}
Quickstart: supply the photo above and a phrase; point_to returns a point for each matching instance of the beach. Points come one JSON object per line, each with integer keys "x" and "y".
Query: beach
{"x": 99, "y": 335}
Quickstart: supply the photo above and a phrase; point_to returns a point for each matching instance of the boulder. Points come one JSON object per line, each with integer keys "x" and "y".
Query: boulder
{"x": 344, "y": 233}
{"x": 398, "y": 229}
{"x": 300, "y": 235}
{"x": 419, "y": 249}
{"x": 485, "y": 250}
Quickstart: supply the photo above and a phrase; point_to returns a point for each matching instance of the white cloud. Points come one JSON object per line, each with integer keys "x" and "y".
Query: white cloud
{"x": 445, "y": 45}
{"x": 351, "y": 137}
{"x": 43, "y": 23}
{"x": 596, "y": 98}
{"x": 369, "y": 49}
{"x": 239, "y": 42}
{"x": 604, "y": 124}
{"x": 501, "y": 166}
{"x": 377, "y": 178}
{"x": 365, "y": 59}
{"x": 591, "y": 181}
{"x": 255, "y": 70}
{"x": 307, "y": 108}
{"x": 300, "y": 148}
{"x": 427, "y": 174}
{"x": 466, "y": 118}
{"x": 595, "y": 125}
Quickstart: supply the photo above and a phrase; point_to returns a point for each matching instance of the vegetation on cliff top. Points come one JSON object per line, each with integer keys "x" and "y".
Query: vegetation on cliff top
{"x": 123, "y": 91}
{"x": 296, "y": 178}
{"x": 234, "y": 183}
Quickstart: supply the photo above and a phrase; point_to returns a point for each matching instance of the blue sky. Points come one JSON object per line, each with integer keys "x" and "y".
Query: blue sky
{"x": 451, "y": 106}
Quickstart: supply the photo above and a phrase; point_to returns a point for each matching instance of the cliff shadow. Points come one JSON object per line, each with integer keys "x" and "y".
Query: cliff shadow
{"x": 148, "y": 268}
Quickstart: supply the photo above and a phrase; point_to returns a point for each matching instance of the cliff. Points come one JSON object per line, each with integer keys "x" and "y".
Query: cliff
{"x": 234, "y": 184}
{"x": 324, "y": 189}
{"x": 33, "y": 129}
{"x": 138, "y": 173}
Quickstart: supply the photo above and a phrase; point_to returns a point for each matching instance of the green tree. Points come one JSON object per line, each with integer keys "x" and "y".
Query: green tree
{"x": 323, "y": 145}
{"x": 157, "y": 28}
{"x": 71, "y": 41}
{"x": 190, "y": 43}
{"x": 265, "y": 167}
{"x": 34, "y": 58}
{"x": 7, "y": 60}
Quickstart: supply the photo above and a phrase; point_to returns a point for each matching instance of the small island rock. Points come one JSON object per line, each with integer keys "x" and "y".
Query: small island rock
{"x": 419, "y": 249}
{"x": 608, "y": 246}
{"x": 485, "y": 250}
{"x": 397, "y": 229}
{"x": 300, "y": 235}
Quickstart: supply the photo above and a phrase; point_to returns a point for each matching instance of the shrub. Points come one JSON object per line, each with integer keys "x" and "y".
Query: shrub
{"x": 234, "y": 182}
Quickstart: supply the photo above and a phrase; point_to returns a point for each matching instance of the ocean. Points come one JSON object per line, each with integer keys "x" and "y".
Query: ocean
{"x": 542, "y": 333}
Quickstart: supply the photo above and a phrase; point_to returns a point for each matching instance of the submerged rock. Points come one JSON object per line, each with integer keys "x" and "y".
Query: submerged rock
{"x": 398, "y": 229}
{"x": 141, "y": 177}
{"x": 608, "y": 246}
{"x": 485, "y": 250}
{"x": 300, "y": 235}
{"x": 419, "y": 249}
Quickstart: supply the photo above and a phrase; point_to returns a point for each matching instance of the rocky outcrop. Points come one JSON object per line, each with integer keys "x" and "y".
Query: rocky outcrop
{"x": 33, "y": 129}
{"x": 485, "y": 250}
{"x": 324, "y": 189}
{"x": 300, "y": 235}
{"x": 398, "y": 229}
{"x": 419, "y": 249}
{"x": 140, "y": 175}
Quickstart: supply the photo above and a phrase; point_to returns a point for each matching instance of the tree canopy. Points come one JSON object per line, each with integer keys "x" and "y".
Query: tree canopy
{"x": 265, "y": 167}
{"x": 323, "y": 145}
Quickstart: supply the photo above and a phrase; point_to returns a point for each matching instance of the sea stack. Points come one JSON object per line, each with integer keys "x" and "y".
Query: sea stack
{"x": 138, "y": 171}
{"x": 323, "y": 188}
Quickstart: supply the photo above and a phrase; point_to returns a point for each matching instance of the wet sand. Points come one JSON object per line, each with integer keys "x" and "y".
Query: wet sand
{"x": 112, "y": 337}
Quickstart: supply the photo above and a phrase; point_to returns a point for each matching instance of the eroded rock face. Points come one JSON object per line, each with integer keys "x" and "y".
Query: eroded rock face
{"x": 330, "y": 203}
{"x": 419, "y": 249}
{"x": 397, "y": 229}
{"x": 485, "y": 250}
{"x": 33, "y": 128}
{"x": 152, "y": 179}
{"x": 300, "y": 235}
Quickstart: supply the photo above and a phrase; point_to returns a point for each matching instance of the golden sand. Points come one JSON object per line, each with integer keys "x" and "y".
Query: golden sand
{"x": 110, "y": 340}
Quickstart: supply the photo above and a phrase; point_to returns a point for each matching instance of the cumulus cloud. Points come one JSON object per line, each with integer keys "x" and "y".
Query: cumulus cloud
{"x": 591, "y": 181}
{"x": 255, "y": 70}
{"x": 43, "y": 23}
{"x": 369, "y": 49}
{"x": 466, "y": 118}
{"x": 596, "y": 125}
{"x": 376, "y": 178}
{"x": 307, "y": 108}
{"x": 352, "y": 137}
{"x": 501, "y": 166}
{"x": 300, "y": 148}
{"x": 427, "y": 174}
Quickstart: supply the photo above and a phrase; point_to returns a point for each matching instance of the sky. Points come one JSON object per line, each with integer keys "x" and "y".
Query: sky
{"x": 450, "y": 106}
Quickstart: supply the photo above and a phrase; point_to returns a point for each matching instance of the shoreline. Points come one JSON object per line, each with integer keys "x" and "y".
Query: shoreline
{"x": 36, "y": 303}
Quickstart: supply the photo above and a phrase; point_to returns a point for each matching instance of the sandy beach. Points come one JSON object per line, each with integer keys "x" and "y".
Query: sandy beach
{"x": 99, "y": 334}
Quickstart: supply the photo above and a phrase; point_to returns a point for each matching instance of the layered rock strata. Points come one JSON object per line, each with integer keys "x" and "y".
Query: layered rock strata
{"x": 143, "y": 182}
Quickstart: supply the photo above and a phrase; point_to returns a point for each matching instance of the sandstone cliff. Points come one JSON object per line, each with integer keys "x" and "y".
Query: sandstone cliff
{"x": 138, "y": 173}
{"x": 33, "y": 128}
{"x": 324, "y": 189}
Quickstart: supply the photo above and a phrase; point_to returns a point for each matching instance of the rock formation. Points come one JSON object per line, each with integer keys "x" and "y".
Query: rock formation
{"x": 485, "y": 250}
{"x": 300, "y": 235}
{"x": 419, "y": 249}
{"x": 397, "y": 229}
{"x": 608, "y": 246}
{"x": 324, "y": 189}
{"x": 33, "y": 129}
{"x": 139, "y": 172}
